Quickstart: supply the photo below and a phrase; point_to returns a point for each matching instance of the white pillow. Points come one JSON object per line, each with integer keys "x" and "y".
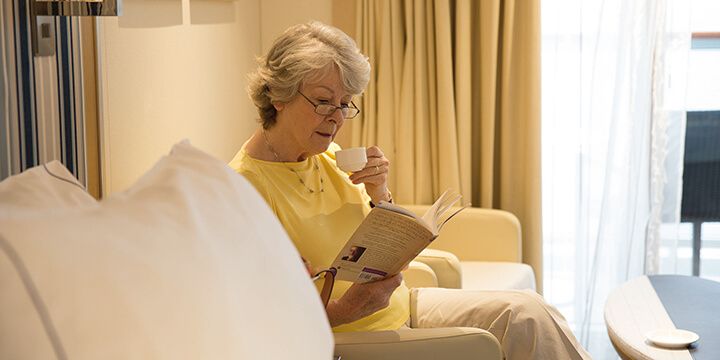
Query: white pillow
{"x": 47, "y": 187}
{"x": 189, "y": 263}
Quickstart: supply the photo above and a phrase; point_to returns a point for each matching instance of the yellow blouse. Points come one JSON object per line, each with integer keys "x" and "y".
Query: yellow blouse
{"x": 321, "y": 222}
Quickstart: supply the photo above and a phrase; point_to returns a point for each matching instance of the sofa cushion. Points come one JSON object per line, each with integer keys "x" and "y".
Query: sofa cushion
{"x": 497, "y": 275}
{"x": 189, "y": 263}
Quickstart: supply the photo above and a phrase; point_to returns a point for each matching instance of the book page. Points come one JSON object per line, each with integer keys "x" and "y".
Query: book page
{"x": 437, "y": 210}
{"x": 399, "y": 209}
{"x": 381, "y": 246}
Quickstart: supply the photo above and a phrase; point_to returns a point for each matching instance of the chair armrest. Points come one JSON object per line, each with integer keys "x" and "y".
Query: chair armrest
{"x": 445, "y": 266}
{"x": 478, "y": 234}
{"x": 419, "y": 274}
{"x": 419, "y": 344}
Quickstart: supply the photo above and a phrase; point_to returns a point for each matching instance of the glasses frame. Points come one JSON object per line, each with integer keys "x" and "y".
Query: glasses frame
{"x": 335, "y": 108}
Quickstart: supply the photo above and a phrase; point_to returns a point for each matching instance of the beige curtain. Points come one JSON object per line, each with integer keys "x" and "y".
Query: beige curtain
{"x": 454, "y": 102}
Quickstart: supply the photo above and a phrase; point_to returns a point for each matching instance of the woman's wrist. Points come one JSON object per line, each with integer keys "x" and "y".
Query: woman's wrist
{"x": 386, "y": 196}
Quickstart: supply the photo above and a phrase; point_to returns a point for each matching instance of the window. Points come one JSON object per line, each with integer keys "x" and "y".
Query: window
{"x": 619, "y": 83}
{"x": 698, "y": 235}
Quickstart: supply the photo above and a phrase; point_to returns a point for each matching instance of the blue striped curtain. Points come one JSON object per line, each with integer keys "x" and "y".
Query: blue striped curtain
{"x": 42, "y": 109}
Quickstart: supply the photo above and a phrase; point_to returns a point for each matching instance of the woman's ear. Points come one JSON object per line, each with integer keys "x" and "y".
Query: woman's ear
{"x": 278, "y": 106}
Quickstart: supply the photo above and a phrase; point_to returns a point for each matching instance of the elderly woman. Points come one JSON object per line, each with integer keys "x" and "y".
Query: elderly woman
{"x": 303, "y": 90}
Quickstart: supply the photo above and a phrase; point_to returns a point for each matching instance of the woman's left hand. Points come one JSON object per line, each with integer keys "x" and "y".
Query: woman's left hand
{"x": 374, "y": 175}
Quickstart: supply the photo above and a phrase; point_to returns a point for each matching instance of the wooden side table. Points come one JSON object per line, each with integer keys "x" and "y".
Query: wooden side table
{"x": 656, "y": 302}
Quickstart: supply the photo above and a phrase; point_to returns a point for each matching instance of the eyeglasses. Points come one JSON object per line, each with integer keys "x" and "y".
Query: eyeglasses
{"x": 328, "y": 109}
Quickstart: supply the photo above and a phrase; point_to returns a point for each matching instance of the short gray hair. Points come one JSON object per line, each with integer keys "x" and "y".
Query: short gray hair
{"x": 304, "y": 52}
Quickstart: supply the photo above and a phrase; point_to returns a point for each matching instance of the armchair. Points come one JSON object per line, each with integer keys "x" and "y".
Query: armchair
{"x": 479, "y": 249}
{"x": 489, "y": 250}
{"x": 419, "y": 344}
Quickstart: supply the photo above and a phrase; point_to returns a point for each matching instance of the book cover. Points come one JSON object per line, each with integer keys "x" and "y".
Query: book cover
{"x": 389, "y": 238}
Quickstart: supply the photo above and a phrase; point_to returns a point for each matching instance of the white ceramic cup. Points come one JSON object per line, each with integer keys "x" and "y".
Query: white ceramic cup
{"x": 352, "y": 159}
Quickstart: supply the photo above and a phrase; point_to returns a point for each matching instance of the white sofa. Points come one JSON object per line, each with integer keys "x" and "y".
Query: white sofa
{"x": 189, "y": 263}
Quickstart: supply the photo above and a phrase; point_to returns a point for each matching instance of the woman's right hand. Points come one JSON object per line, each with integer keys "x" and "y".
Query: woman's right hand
{"x": 361, "y": 300}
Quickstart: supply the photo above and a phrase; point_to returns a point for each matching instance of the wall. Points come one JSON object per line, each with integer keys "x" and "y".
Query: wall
{"x": 175, "y": 69}
{"x": 278, "y": 15}
{"x": 171, "y": 70}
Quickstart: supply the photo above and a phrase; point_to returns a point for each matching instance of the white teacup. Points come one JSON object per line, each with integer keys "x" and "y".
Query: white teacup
{"x": 352, "y": 159}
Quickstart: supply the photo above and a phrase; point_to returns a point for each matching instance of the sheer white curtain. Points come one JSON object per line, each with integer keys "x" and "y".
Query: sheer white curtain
{"x": 612, "y": 149}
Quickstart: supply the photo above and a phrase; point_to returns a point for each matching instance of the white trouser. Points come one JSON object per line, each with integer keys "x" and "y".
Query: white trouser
{"x": 524, "y": 324}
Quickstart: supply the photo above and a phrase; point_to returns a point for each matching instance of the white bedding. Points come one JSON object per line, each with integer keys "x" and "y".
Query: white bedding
{"x": 189, "y": 263}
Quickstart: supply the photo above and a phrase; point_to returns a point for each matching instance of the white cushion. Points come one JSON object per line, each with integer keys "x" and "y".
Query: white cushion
{"x": 496, "y": 275}
{"x": 189, "y": 263}
{"x": 48, "y": 187}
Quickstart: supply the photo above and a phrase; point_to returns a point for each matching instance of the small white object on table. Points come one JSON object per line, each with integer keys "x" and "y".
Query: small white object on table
{"x": 633, "y": 312}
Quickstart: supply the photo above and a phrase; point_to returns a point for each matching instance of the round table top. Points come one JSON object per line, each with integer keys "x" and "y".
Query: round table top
{"x": 649, "y": 303}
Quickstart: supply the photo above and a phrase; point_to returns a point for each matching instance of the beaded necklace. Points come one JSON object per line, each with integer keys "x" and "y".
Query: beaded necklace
{"x": 316, "y": 167}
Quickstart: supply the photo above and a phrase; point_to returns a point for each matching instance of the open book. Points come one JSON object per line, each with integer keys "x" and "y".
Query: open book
{"x": 390, "y": 237}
